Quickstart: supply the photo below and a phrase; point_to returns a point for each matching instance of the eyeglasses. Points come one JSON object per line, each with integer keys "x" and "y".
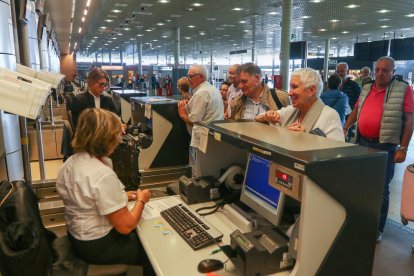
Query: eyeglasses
{"x": 192, "y": 76}
{"x": 103, "y": 84}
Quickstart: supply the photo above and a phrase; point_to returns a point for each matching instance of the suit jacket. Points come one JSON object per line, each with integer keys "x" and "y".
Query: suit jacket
{"x": 86, "y": 100}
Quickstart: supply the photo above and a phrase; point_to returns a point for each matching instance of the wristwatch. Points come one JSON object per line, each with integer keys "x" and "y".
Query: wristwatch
{"x": 404, "y": 149}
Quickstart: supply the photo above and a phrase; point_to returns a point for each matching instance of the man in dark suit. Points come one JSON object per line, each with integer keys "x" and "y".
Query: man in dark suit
{"x": 98, "y": 81}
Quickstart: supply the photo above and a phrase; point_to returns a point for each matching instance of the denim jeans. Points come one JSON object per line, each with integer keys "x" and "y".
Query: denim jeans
{"x": 389, "y": 173}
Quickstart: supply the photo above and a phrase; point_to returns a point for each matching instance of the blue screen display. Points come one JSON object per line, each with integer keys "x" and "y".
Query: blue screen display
{"x": 257, "y": 181}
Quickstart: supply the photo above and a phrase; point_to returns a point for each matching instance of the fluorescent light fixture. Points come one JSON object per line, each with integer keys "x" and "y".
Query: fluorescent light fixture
{"x": 80, "y": 30}
{"x": 384, "y": 19}
{"x": 334, "y": 20}
{"x": 191, "y": 26}
{"x": 352, "y": 6}
{"x": 109, "y": 20}
{"x": 164, "y": 1}
{"x": 160, "y": 24}
{"x": 242, "y": 22}
{"x": 83, "y": 18}
{"x": 197, "y": 4}
{"x": 306, "y": 16}
{"x": 345, "y": 32}
{"x": 85, "y": 12}
{"x": 116, "y": 11}
{"x": 322, "y": 30}
{"x": 272, "y": 13}
{"x": 410, "y": 15}
{"x": 383, "y": 11}
{"x": 334, "y": 38}
{"x": 88, "y": 3}
{"x": 139, "y": 34}
{"x": 384, "y": 26}
{"x": 237, "y": 9}
{"x": 316, "y": 1}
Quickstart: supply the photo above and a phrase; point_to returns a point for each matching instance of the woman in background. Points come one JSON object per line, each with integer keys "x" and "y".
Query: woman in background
{"x": 101, "y": 229}
{"x": 183, "y": 86}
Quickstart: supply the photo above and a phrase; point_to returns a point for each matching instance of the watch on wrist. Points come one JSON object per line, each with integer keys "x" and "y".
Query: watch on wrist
{"x": 403, "y": 149}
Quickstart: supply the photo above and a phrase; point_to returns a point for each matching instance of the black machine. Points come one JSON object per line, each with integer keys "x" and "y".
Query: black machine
{"x": 200, "y": 189}
{"x": 260, "y": 252}
{"x": 125, "y": 162}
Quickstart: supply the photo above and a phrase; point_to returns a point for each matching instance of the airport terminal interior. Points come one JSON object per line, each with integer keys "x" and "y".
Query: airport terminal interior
{"x": 246, "y": 198}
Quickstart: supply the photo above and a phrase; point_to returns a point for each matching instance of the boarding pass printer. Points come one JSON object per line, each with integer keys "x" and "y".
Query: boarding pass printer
{"x": 338, "y": 186}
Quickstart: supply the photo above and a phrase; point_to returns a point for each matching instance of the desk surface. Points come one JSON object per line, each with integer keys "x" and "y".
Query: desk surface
{"x": 171, "y": 255}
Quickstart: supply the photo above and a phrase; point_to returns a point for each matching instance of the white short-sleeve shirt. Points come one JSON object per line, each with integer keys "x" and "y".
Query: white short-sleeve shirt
{"x": 90, "y": 190}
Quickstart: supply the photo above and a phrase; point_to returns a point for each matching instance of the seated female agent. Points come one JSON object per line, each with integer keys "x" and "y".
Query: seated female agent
{"x": 101, "y": 229}
{"x": 307, "y": 112}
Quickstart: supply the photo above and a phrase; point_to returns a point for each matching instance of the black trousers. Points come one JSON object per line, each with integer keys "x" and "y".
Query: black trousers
{"x": 114, "y": 248}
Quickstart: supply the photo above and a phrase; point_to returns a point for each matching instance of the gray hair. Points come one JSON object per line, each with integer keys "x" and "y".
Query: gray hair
{"x": 343, "y": 63}
{"x": 389, "y": 59}
{"x": 200, "y": 69}
{"x": 366, "y": 68}
{"x": 309, "y": 78}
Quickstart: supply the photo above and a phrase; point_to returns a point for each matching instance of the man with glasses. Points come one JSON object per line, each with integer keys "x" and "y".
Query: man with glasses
{"x": 98, "y": 82}
{"x": 256, "y": 97}
{"x": 234, "y": 90}
{"x": 204, "y": 106}
{"x": 384, "y": 120}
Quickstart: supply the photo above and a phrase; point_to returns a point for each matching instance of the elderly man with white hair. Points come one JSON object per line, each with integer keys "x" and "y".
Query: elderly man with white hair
{"x": 307, "y": 112}
{"x": 205, "y": 105}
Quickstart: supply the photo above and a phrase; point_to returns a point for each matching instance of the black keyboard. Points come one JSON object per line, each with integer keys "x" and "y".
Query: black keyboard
{"x": 197, "y": 232}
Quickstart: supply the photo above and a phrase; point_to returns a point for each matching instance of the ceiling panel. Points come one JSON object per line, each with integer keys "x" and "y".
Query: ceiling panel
{"x": 218, "y": 28}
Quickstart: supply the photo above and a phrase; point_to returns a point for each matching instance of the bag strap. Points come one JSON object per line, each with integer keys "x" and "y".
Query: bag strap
{"x": 12, "y": 189}
{"x": 275, "y": 98}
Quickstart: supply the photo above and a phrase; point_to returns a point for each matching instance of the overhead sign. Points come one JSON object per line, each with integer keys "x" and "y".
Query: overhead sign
{"x": 112, "y": 67}
{"x": 238, "y": 52}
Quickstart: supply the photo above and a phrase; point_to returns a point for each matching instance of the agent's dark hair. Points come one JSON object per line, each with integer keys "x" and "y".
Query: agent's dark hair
{"x": 334, "y": 81}
{"x": 95, "y": 75}
{"x": 226, "y": 83}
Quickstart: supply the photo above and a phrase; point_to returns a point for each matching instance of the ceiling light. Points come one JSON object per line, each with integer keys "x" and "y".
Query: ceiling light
{"x": 95, "y": 37}
{"x": 334, "y": 20}
{"x": 109, "y": 20}
{"x": 139, "y": 34}
{"x": 83, "y": 18}
{"x": 410, "y": 15}
{"x": 164, "y": 36}
{"x": 197, "y": 4}
{"x": 103, "y": 27}
{"x": 132, "y": 39}
{"x": 237, "y": 9}
{"x": 345, "y": 32}
{"x": 334, "y": 38}
{"x": 383, "y": 11}
{"x": 189, "y": 9}
{"x": 167, "y": 20}
{"x": 316, "y": 1}
{"x": 85, "y": 12}
{"x": 242, "y": 22}
{"x": 119, "y": 33}
{"x": 360, "y": 23}
{"x": 384, "y": 26}
{"x": 306, "y": 16}
{"x": 187, "y": 37}
{"x": 210, "y": 18}
{"x": 191, "y": 26}
{"x": 272, "y": 13}
{"x": 80, "y": 30}
{"x": 160, "y": 24}
{"x": 116, "y": 11}
{"x": 322, "y": 30}
{"x": 405, "y": 29}
{"x": 164, "y": 1}
{"x": 127, "y": 29}
{"x": 352, "y": 6}
{"x": 298, "y": 27}
{"x": 202, "y": 33}
{"x": 148, "y": 30}
{"x": 154, "y": 40}
{"x": 226, "y": 35}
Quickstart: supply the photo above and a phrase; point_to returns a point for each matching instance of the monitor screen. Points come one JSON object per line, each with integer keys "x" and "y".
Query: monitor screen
{"x": 257, "y": 192}
{"x": 298, "y": 50}
{"x": 361, "y": 51}
{"x": 378, "y": 49}
{"x": 402, "y": 49}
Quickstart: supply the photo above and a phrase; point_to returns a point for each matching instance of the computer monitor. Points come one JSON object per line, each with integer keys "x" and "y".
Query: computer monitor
{"x": 257, "y": 192}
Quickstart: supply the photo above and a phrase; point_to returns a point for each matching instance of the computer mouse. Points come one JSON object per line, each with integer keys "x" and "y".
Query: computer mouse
{"x": 209, "y": 265}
